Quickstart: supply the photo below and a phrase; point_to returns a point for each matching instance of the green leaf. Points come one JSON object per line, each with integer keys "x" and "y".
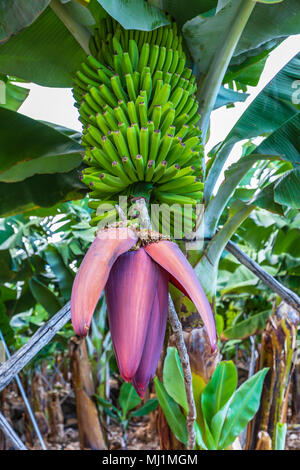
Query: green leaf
{"x": 242, "y": 408}
{"x": 270, "y": 110}
{"x": 5, "y": 327}
{"x": 6, "y": 293}
{"x": 147, "y": 408}
{"x": 199, "y": 438}
{"x": 16, "y": 15}
{"x": 233, "y": 176}
{"x": 45, "y": 53}
{"x": 219, "y": 389}
{"x": 183, "y": 12}
{"x": 174, "y": 416}
{"x": 280, "y": 436}
{"x": 198, "y": 29}
{"x": 128, "y": 398}
{"x": 251, "y": 326}
{"x": 287, "y": 189}
{"x": 173, "y": 378}
{"x": 258, "y": 36}
{"x": 135, "y": 14}
{"x": 217, "y": 423}
{"x": 249, "y": 71}
{"x": 103, "y": 403}
{"x": 284, "y": 141}
{"x": 26, "y": 300}
{"x": 39, "y": 191}
{"x": 44, "y": 296}
{"x": 29, "y": 147}
{"x": 261, "y": 35}
{"x": 63, "y": 273}
{"x": 287, "y": 242}
{"x": 227, "y": 96}
{"x": 265, "y": 200}
{"x": 6, "y": 272}
{"x": 242, "y": 280}
{"x": 11, "y": 96}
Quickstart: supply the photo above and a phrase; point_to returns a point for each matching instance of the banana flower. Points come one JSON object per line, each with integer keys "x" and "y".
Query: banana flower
{"x": 136, "y": 279}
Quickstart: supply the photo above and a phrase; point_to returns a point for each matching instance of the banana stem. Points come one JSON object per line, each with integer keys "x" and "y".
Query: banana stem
{"x": 187, "y": 373}
{"x": 207, "y": 94}
{"x": 80, "y": 32}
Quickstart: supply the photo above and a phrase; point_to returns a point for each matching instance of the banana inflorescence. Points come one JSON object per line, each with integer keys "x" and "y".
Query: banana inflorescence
{"x": 139, "y": 114}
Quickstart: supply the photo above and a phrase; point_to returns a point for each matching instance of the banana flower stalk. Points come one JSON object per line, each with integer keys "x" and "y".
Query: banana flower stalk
{"x": 135, "y": 275}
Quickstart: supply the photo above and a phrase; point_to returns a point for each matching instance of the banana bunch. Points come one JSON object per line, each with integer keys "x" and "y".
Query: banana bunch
{"x": 136, "y": 102}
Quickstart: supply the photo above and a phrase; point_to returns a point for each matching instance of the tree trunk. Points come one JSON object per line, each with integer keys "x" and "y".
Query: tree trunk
{"x": 56, "y": 418}
{"x": 90, "y": 432}
{"x": 39, "y": 399}
{"x": 278, "y": 347}
{"x": 295, "y": 419}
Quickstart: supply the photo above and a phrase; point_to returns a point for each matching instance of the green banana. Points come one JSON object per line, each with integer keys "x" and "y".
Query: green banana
{"x": 136, "y": 102}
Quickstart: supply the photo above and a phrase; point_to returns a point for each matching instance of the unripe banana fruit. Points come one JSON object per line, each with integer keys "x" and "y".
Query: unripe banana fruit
{"x": 139, "y": 114}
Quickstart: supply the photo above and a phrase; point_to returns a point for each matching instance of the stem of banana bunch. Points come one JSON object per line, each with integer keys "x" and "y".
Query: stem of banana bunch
{"x": 179, "y": 341}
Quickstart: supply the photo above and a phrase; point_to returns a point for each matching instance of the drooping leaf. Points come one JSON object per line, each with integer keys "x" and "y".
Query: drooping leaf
{"x": 6, "y": 272}
{"x": 26, "y": 300}
{"x": 233, "y": 176}
{"x": 174, "y": 416}
{"x": 147, "y": 408}
{"x": 284, "y": 141}
{"x": 242, "y": 408}
{"x": 198, "y": 29}
{"x": 265, "y": 200}
{"x": 272, "y": 107}
{"x": 219, "y": 389}
{"x": 242, "y": 280}
{"x": 261, "y": 35}
{"x": 287, "y": 189}
{"x": 227, "y": 96}
{"x": 39, "y": 191}
{"x": 183, "y": 12}
{"x": 270, "y": 110}
{"x": 5, "y": 328}
{"x": 63, "y": 273}
{"x": 249, "y": 71}
{"x": 11, "y": 95}
{"x": 128, "y": 398}
{"x": 29, "y": 147}
{"x": 45, "y": 53}
{"x": 44, "y": 296}
{"x": 287, "y": 242}
{"x": 251, "y": 326}
{"x": 173, "y": 378}
{"x": 135, "y": 14}
{"x": 7, "y": 293}
{"x": 258, "y": 36}
{"x": 16, "y": 15}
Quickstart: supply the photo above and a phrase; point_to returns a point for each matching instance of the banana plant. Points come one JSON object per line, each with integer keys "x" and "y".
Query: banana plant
{"x": 128, "y": 407}
{"x": 223, "y": 411}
